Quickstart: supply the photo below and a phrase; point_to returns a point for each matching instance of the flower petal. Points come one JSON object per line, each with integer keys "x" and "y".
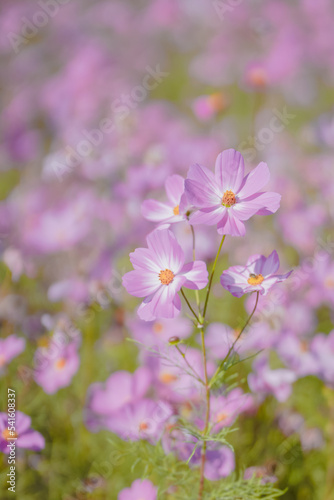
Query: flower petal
{"x": 229, "y": 170}
{"x": 156, "y": 211}
{"x": 167, "y": 252}
{"x": 202, "y": 188}
{"x": 254, "y": 181}
{"x": 141, "y": 283}
{"x": 271, "y": 264}
{"x": 174, "y": 188}
{"x": 32, "y": 440}
{"x": 143, "y": 258}
{"x": 196, "y": 274}
{"x": 231, "y": 225}
{"x": 208, "y": 217}
{"x": 163, "y": 304}
{"x": 260, "y": 204}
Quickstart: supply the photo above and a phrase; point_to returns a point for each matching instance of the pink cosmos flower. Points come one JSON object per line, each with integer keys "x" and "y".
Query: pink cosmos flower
{"x": 228, "y": 197}
{"x": 10, "y": 347}
{"x": 172, "y": 211}
{"x": 143, "y": 419}
{"x": 120, "y": 388}
{"x": 256, "y": 276}
{"x": 206, "y": 107}
{"x": 25, "y": 436}
{"x": 265, "y": 381}
{"x": 159, "y": 273}
{"x": 56, "y": 365}
{"x": 225, "y": 409}
{"x": 139, "y": 489}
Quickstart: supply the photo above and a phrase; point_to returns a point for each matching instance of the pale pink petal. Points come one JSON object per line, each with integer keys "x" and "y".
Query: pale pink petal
{"x": 231, "y": 225}
{"x": 201, "y": 187}
{"x": 208, "y": 217}
{"x": 164, "y": 303}
{"x": 143, "y": 258}
{"x": 141, "y": 283}
{"x": 168, "y": 253}
{"x": 174, "y": 188}
{"x": 196, "y": 274}
{"x": 261, "y": 204}
{"x": 229, "y": 170}
{"x": 271, "y": 264}
{"x": 156, "y": 211}
{"x": 254, "y": 181}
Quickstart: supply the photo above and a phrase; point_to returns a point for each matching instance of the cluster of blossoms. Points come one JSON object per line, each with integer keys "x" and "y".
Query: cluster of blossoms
{"x": 160, "y": 275}
{"x": 226, "y": 198}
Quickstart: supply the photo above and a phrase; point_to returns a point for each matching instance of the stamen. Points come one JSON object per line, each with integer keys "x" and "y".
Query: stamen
{"x": 167, "y": 378}
{"x": 221, "y": 417}
{"x": 255, "y": 279}
{"x": 176, "y": 210}
{"x": 157, "y": 327}
{"x": 60, "y": 363}
{"x": 8, "y": 435}
{"x": 258, "y": 77}
{"x": 143, "y": 426}
{"x": 229, "y": 199}
{"x": 166, "y": 276}
{"x": 217, "y": 101}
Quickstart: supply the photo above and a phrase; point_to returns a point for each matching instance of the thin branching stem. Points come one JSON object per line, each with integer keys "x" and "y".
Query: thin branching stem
{"x": 207, "y": 385}
{"x": 194, "y": 258}
{"x": 236, "y": 340}
{"x": 189, "y": 305}
{"x": 211, "y": 277}
{"x": 187, "y": 362}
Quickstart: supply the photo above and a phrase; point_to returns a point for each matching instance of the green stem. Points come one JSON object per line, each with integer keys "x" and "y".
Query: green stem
{"x": 194, "y": 258}
{"x": 189, "y": 365}
{"x": 207, "y": 418}
{"x": 236, "y": 340}
{"x": 211, "y": 277}
{"x": 188, "y": 303}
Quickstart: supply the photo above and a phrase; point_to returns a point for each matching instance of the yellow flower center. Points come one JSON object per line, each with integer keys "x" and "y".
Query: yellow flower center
{"x": 167, "y": 378}
{"x": 217, "y": 101}
{"x": 255, "y": 279}
{"x": 8, "y": 435}
{"x": 221, "y": 417}
{"x": 176, "y": 210}
{"x": 258, "y": 77}
{"x": 166, "y": 276}
{"x": 229, "y": 199}
{"x": 157, "y": 327}
{"x": 143, "y": 426}
{"x": 60, "y": 363}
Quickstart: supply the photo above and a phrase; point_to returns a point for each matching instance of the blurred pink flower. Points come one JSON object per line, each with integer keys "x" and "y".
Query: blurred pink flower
{"x": 25, "y": 436}
{"x": 10, "y": 347}
{"x": 119, "y": 389}
{"x": 265, "y": 381}
{"x": 142, "y": 419}
{"x": 140, "y": 489}
{"x": 56, "y": 365}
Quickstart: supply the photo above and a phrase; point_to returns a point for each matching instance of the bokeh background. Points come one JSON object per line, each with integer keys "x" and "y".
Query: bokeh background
{"x": 100, "y": 102}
